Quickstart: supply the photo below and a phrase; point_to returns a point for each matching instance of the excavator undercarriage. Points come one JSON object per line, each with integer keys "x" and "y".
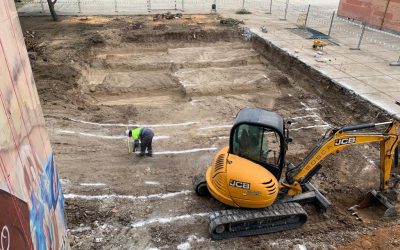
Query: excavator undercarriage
{"x": 246, "y": 222}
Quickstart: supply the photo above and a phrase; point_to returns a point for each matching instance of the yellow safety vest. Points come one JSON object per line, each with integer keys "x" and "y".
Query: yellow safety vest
{"x": 135, "y": 133}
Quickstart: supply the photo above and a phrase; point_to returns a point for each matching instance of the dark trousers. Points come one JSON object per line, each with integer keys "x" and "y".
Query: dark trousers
{"x": 146, "y": 141}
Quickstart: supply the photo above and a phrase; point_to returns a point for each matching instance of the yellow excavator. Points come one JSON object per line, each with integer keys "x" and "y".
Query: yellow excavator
{"x": 246, "y": 173}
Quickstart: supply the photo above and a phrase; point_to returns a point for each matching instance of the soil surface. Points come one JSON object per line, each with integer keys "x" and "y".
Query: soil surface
{"x": 186, "y": 78}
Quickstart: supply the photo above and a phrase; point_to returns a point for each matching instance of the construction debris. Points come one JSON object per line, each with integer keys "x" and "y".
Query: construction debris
{"x": 32, "y": 55}
{"x": 230, "y": 22}
{"x": 34, "y": 47}
{"x": 135, "y": 26}
{"x": 30, "y": 33}
{"x": 96, "y": 39}
{"x": 264, "y": 29}
{"x": 243, "y": 12}
{"x": 353, "y": 211}
{"x": 161, "y": 27}
{"x": 167, "y": 16}
{"x": 98, "y": 240}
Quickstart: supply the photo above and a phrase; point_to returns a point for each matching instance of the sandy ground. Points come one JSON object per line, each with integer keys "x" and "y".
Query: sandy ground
{"x": 186, "y": 79}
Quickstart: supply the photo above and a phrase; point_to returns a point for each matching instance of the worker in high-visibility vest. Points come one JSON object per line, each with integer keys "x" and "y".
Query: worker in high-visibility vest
{"x": 144, "y": 137}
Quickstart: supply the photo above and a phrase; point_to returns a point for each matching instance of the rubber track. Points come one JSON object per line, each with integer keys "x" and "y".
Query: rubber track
{"x": 284, "y": 217}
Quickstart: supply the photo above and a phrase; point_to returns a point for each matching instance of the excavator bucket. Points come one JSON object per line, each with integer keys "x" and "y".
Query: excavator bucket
{"x": 375, "y": 198}
{"x": 385, "y": 200}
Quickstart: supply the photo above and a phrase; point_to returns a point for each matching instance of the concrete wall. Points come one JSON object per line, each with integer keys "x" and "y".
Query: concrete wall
{"x": 31, "y": 202}
{"x": 380, "y": 13}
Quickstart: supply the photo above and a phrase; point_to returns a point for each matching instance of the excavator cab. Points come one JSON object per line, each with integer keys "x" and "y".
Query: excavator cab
{"x": 258, "y": 135}
{"x": 247, "y": 172}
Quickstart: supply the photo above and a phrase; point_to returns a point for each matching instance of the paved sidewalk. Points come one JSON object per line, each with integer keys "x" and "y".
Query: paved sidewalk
{"x": 366, "y": 72}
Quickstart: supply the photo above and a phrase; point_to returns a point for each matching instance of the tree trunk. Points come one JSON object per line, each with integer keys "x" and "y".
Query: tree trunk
{"x": 52, "y": 10}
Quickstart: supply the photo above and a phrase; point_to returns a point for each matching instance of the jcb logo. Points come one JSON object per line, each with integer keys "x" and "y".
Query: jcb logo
{"x": 239, "y": 184}
{"x": 345, "y": 141}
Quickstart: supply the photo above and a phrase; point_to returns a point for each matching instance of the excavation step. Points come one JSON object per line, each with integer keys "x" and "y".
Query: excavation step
{"x": 214, "y": 81}
{"x": 194, "y": 57}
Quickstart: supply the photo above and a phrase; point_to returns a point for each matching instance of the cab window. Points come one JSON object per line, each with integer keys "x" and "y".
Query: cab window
{"x": 257, "y": 144}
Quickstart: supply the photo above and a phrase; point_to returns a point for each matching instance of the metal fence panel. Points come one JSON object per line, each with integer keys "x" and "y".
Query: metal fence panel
{"x": 318, "y": 18}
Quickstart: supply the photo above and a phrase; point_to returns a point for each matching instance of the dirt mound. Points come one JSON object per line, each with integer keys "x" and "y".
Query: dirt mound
{"x": 32, "y": 42}
{"x": 139, "y": 82}
{"x": 279, "y": 78}
{"x": 230, "y": 22}
{"x": 243, "y": 12}
{"x": 167, "y": 16}
{"x": 135, "y": 26}
{"x": 96, "y": 39}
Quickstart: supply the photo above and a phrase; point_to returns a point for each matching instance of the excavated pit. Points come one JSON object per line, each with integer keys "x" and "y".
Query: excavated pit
{"x": 186, "y": 82}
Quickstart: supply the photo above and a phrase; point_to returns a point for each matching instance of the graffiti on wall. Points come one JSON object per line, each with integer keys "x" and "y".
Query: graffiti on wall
{"x": 32, "y": 204}
{"x": 46, "y": 204}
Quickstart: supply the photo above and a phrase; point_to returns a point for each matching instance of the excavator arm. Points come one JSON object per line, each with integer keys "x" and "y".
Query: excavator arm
{"x": 337, "y": 139}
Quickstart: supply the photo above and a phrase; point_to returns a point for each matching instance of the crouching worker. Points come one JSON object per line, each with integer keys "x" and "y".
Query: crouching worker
{"x": 144, "y": 137}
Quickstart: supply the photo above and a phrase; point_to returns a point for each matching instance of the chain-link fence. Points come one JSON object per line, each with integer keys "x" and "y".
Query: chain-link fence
{"x": 328, "y": 23}
{"x": 320, "y": 20}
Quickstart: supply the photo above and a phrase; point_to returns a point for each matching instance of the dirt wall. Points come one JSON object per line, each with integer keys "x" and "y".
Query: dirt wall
{"x": 32, "y": 205}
